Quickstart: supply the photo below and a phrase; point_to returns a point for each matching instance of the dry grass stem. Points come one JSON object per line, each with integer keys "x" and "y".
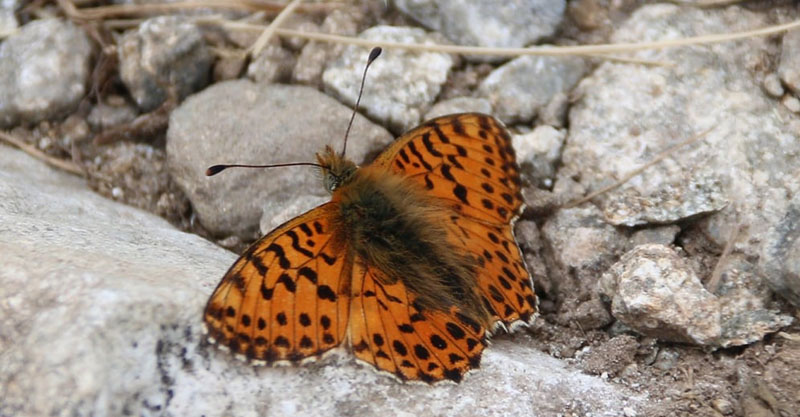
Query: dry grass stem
{"x": 118, "y": 10}
{"x": 61, "y": 164}
{"x": 262, "y": 40}
{"x": 663, "y": 154}
{"x": 585, "y": 50}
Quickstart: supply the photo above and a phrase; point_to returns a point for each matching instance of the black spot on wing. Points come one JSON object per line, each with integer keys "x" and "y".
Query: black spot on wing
{"x": 296, "y": 244}
{"x": 415, "y": 152}
{"x": 280, "y": 254}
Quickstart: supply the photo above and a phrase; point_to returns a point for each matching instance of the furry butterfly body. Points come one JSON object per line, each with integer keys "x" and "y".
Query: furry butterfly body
{"x": 409, "y": 265}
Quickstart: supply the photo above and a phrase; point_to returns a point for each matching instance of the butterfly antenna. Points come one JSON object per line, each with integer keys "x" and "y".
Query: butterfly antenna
{"x": 216, "y": 169}
{"x": 373, "y": 55}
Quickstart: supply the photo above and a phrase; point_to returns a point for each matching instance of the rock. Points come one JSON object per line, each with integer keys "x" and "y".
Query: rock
{"x": 746, "y": 304}
{"x": 519, "y": 89}
{"x": 459, "y": 105}
{"x": 791, "y": 103}
{"x": 772, "y": 85}
{"x": 664, "y": 235}
{"x": 653, "y": 291}
{"x": 779, "y": 254}
{"x": 555, "y": 112}
{"x": 790, "y": 61}
{"x": 626, "y": 114}
{"x": 538, "y": 152}
{"x": 165, "y": 51}
{"x": 45, "y": 67}
{"x": 273, "y": 65}
{"x": 486, "y": 22}
{"x": 582, "y": 245}
{"x": 699, "y": 195}
{"x": 529, "y": 239}
{"x": 243, "y": 122}
{"x": 315, "y": 54}
{"x": 401, "y": 85}
{"x": 114, "y": 303}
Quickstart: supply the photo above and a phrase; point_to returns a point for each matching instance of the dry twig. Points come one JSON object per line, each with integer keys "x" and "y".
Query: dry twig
{"x": 62, "y": 164}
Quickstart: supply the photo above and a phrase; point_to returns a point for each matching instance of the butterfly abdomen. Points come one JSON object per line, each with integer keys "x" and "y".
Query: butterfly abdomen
{"x": 393, "y": 226}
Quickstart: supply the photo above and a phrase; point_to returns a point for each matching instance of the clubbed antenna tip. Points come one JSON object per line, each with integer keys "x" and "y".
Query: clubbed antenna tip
{"x": 373, "y": 55}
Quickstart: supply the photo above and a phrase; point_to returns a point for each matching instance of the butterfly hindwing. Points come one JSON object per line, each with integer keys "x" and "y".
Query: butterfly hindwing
{"x": 284, "y": 299}
{"x": 467, "y": 161}
{"x": 391, "y": 332}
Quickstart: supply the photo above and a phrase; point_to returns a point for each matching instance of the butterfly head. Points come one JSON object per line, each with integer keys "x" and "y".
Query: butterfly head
{"x": 336, "y": 169}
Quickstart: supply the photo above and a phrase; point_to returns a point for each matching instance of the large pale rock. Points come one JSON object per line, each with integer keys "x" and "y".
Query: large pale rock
{"x": 100, "y": 314}
{"x": 627, "y": 114}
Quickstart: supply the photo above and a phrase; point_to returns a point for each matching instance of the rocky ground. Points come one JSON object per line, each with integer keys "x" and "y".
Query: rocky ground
{"x": 676, "y": 293}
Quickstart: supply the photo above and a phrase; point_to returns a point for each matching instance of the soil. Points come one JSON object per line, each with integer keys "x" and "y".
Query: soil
{"x": 762, "y": 379}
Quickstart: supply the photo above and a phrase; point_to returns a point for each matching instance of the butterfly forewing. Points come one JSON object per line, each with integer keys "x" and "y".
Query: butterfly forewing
{"x": 467, "y": 161}
{"x": 283, "y": 299}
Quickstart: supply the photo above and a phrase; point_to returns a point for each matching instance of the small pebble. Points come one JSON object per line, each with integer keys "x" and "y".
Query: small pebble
{"x": 772, "y": 85}
{"x": 791, "y": 103}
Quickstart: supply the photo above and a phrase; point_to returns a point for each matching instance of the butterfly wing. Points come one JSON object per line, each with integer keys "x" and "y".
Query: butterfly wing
{"x": 287, "y": 297}
{"x": 467, "y": 161}
{"x": 391, "y": 332}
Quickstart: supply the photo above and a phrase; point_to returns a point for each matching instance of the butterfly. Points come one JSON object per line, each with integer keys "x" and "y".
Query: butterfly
{"x": 411, "y": 265}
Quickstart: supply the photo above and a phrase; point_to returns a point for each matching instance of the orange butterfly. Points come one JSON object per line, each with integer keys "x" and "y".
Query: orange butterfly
{"x": 411, "y": 264}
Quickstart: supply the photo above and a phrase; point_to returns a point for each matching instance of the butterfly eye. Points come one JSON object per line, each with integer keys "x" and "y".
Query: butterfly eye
{"x": 332, "y": 182}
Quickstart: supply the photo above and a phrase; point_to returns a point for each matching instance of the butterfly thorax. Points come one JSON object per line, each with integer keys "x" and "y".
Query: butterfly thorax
{"x": 393, "y": 226}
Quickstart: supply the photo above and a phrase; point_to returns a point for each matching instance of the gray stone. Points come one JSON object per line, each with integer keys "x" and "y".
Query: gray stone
{"x": 772, "y": 85}
{"x": 791, "y": 103}
{"x": 8, "y": 21}
{"x": 519, "y": 89}
{"x": 107, "y": 321}
{"x": 538, "y": 152}
{"x": 164, "y": 52}
{"x": 273, "y": 65}
{"x": 45, "y": 67}
{"x": 779, "y": 254}
{"x": 627, "y": 114}
{"x": 663, "y": 235}
{"x": 401, "y": 85}
{"x": 555, "y": 112}
{"x": 789, "y": 66}
{"x": 698, "y": 195}
{"x": 244, "y": 122}
{"x": 487, "y": 22}
{"x": 315, "y": 54}
{"x": 653, "y": 291}
{"x": 459, "y": 105}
